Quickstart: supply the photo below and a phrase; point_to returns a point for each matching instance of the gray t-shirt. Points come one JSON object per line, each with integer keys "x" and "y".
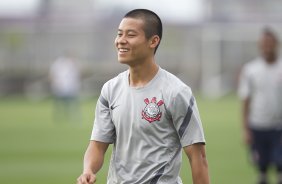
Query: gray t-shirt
{"x": 148, "y": 127}
{"x": 262, "y": 83}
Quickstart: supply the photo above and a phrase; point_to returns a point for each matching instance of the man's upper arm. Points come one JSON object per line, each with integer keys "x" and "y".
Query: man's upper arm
{"x": 186, "y": 118}
{"x": 199, "y": 164}
{"x": 104, "y": 129}
{"x": 97, "y": 145}
{"x": 244, "y": 88}
{"x": 195, "y": 151}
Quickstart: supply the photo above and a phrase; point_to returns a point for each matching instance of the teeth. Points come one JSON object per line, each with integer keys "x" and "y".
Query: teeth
{"x": 123, "y": 50}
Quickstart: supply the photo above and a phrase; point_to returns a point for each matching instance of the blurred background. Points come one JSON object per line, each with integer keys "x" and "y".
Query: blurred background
{"x": 205, "y": 41}
{"x": 205, "y": 44}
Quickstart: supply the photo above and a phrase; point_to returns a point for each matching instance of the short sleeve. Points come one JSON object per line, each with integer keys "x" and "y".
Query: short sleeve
{"x": 103, "y": 129}
{"x": 186, "y": 118}
{"x": 244, "y": 88}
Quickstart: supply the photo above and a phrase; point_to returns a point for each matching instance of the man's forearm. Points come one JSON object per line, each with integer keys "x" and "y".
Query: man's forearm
{"x": 94, "y": 157}
{"x": 245, "y": 113}
{"x": 92, "y": 163}
{"x": 198, "y": 161}
{"x": 200, "y": 172}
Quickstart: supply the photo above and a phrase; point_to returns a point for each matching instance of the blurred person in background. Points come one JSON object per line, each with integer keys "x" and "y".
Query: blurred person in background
{"x": 147, "y": 113}
{"x": 260, "y": 89}
{"x": 65, "y": 84}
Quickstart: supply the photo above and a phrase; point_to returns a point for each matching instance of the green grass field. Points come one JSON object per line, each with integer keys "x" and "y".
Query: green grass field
{"x": 35, "y": 149}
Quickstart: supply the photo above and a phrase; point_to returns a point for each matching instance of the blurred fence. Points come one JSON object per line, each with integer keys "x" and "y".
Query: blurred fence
{"x": 207, "y": 55}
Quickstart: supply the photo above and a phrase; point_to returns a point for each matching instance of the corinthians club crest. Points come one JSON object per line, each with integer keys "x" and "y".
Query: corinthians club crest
{"x": 152, "y": 110}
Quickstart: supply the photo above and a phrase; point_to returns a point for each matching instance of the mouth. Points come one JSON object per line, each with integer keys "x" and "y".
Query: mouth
{"x": 123, "y": 50}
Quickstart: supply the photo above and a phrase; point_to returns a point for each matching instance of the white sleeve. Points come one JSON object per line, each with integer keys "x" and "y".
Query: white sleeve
{"x": 103, "y": 129}
{"x": 244, "y": 88}
{"x": 186, "y": 118}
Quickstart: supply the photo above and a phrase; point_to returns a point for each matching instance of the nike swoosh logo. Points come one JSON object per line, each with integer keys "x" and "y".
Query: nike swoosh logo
{"x": 113, "y": 107}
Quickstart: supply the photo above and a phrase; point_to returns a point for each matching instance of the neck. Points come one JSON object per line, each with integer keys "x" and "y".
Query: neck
{"x": 140, "y": 75}
{"x": 270, "y": 59}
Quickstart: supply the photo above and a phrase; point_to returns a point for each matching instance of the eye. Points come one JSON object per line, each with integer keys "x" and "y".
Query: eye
{"x": 131, "y": 35}
{"x": 119, "y": 34}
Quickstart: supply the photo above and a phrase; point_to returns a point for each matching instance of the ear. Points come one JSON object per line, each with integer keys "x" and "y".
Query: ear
{"x": 154, "y": 41}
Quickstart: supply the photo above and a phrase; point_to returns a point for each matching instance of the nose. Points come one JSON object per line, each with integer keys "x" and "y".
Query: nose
{"x": 121, "y": 40}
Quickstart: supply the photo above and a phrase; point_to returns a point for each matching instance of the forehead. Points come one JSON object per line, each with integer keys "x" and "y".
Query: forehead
{"x": 268, "y": 39}
{"x": 131, "y": 24}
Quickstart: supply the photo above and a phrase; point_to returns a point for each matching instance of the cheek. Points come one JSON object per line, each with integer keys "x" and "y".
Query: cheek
{"x": 115, "y": 42}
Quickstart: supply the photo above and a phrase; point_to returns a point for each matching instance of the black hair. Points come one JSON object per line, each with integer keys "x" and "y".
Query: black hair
{"x": 267, "y": 31}
{"x": 152, "y": 22}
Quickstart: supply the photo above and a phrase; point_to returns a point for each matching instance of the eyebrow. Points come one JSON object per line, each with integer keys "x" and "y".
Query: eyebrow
{"x": 129, "y": 30}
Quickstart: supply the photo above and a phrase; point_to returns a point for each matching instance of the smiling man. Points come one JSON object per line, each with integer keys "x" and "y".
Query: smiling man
{"x": 147, "y": 113}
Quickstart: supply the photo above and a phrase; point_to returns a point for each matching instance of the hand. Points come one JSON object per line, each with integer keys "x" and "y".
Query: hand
{"x": 86, "y": 178}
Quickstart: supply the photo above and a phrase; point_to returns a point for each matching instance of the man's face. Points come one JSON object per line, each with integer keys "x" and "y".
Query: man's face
{"x": 132, "y": 45}
{"x": 268, "y": 47}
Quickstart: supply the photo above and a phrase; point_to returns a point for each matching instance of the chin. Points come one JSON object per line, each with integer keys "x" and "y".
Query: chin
{"x": 123, "y": 61}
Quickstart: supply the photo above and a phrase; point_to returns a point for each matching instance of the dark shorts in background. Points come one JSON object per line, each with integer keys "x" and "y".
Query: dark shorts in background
{"x": 267, "y": 148}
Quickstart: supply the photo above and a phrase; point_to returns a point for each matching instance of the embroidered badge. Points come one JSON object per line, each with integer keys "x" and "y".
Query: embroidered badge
{"x": 152, "y": 110}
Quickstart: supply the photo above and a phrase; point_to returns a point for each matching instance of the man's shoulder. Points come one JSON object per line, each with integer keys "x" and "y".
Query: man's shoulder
{"x": 116, "y": 81}
{"x": 254, "y": 62}
{"x": 253, "y": 65}
{"x": 280, "y": 61}
{"x": 175, "y": 84}
{"x": 172, "y": 79}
